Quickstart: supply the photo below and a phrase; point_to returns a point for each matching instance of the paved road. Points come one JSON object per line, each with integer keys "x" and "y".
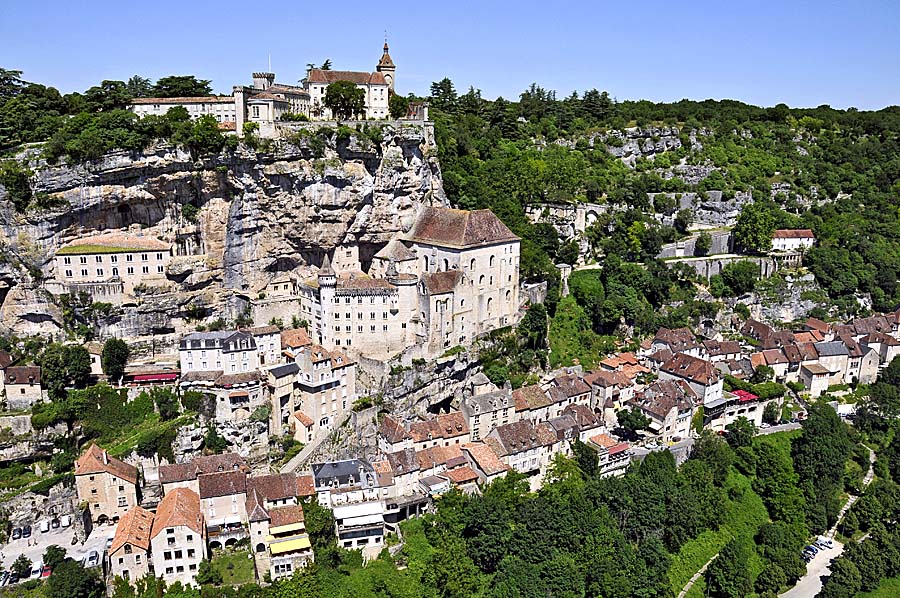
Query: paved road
{"x": 34, "y": 547}
{"x": 820, "y": 568}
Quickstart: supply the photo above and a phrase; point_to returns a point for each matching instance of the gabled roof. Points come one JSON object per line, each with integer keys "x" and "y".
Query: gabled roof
{"x": 295, "y": 338}
{"x": 461, "y": 475}
{"x": 661, "y": 397}
{"x": 186, "y": 100}
{"x": 403, "y": 462}
{"x": 256, "y": 510}
{"x": 392, "y": 430}
{"x": 567, "y": 386}
{"x": 803, "y": 233}
{"x": 607, "y": 379}
{"x": 485, "y": 458}
{"x": 181, "y": 472}
{"x": 583, "y": 415}
{"x": 831, "y": 349}
{"x": 691, "y": 368}
{"x": 287, "y": 515}
{"x": 677, "y": 340}
{"x": 718, "y": 348}
{"x": 774, "y": 356}
{"x": 276, "y": 486}
{"x": 133, "y": 528}
{"x": 446, "y": 227}
{"x": 355, "y": 77}
{"x": 397, "y": 251}
{"x": 520, "y": 436}
{"x": 23, "y": 374}
{"x": 445, "y": 425}
{"x": 619, "y": 360}
{"x": 5, "y": 359}
{"x": 306, "y": 485}
{"x": 447, "y": 456}
{"x": 180, "y": 506}
{"x": 817, "y": 324}
{"x": 96, "y": 460}
{"x": 222, "y": 484}
{"x": 530, "y": 397}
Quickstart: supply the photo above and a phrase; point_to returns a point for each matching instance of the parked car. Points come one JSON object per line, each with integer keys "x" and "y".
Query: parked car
{"x": 46, "y": 571}
{"x": 17, "y": 533}
{"x": 66, "y": 520}
{"x": 109, "y": 542}
{"x": 44, "y": 526}
{"x": 92, "y": 559}
{"x": 812, "y": 549}
{"x": 36, "y": 571}
{"x": 13, "y": 578}
{"x": 55, "y": 523}
{"x": 4, "y": 578}
{"x": 26, "y": 531}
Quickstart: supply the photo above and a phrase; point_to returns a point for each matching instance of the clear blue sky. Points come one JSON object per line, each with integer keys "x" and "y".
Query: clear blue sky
{"x": 765, "y": 52}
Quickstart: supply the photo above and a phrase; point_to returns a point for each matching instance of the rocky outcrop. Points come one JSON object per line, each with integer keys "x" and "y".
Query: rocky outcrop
{"x": 259, "y": 212}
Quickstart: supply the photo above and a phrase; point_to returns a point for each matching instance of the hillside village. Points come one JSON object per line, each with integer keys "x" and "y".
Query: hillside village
{"x": 222, "y": 368}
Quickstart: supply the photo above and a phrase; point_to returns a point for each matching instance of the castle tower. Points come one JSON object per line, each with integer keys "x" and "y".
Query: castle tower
{"x": 387, "y": 68}
{"x": 327, "y": 284}
{"x": 263, "y": 80}
{"x": 407, "y": 306}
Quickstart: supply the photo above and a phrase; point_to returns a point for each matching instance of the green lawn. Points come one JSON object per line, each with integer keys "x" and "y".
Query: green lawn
{"x": 889, "y": 588}
{"x": 236, "y": 567}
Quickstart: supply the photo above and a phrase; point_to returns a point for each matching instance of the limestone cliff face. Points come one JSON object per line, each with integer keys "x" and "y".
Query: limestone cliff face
{"x": 261, "y": 212}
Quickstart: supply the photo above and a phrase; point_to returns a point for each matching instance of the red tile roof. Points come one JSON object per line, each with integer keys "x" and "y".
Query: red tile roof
{"x": 803, "y": 233}
{"x": 96, "y": 460}
{"x": 461, "y": 475}
{"x": 445, "y": 425}
{"x": 288, "y": 515}
{"x": 485, "y": 458}
{"x": 222, "y": 484}
{"x": 133, "y": 528}
{"x": 23, "y": 374}
{"x": 392, "y": 430}
{"x": 306, "y": 485}
{"x": 186, "y": 100}
{"x": 355, "y": 77}
{"x": 295, "y": 338}
{"x": 180, "y": 506}
{"x": 691, "y": 368}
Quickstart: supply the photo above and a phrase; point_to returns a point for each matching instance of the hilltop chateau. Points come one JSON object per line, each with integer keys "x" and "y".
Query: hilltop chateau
{"x": 455, "y": 275}
{"x": 265, "y": 101}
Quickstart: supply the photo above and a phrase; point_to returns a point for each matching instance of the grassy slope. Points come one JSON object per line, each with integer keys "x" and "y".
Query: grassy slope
{"x": 241, "y": 567}
{"x": 889, "y": 588}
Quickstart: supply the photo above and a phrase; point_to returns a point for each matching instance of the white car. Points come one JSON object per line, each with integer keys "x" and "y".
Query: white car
{"x": 92, "y": 559}
{"x": 36, "y": 571}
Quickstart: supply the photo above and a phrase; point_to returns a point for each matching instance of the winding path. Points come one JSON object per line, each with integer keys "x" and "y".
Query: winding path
{"x": 697, "y": 575}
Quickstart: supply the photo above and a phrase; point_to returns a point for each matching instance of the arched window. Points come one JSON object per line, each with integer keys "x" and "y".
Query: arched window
{"x": 446, "y": 265}
{"x": 490, "y": 304}
{"x": 508, "y": 296}
{"x": 491, "y": 262}
{"x": 472, "y": 264}
{"x": 425, "y": 263}
{"x": 481, "y": 279}
{"x": 260, "y": 547}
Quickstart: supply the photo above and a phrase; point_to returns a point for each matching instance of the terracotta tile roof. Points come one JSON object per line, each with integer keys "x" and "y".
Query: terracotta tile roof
{"x": 461, "y": 475}
{"x": 880, "y": 338}
{"x": 355, "y": 77}
{"x": 222, "y": 484}
{"x": 677, "y": 340}
{"x": 615, "y": 362}
{"x": 5, "y": 359}
{"x": 521, "y": 436}
{"x": 256, "y": 510}
{"x": 202, "y": 376}
{"x": 133, "y": 528}
{"x": 446, "y": 227}
{"x": 397, "y": 251}
{"x": 604, "y": 440}
{"x": 403, "y": 462}
{"x": 228, "y": 125}
{"x": 392, "y": 430}
{"x": 871, "y": 324}
{"x": 757, "y": 329}
{"x": 757, "y": 359}
{"x": 96, "y": 460}
{"x": 177, "y": 472}
{"x": 774, "y": 356}
{"x": 853, "y": 348}
{"x": 288, "y": 515}
{"x": 222, "y": 462}
{"x": 277, "y": 486}
{"x": 817, "y": 324}
{"x": 439, "y": 455}
{"x": 530, "y": 397}
{"x": 691, "y": 368}
{"x": 186, "y": 100}
{"x": 718, "y": 348}
{"x": 815, "y": 369}
{"x": 803, "y": 233}
{"x": 606, "y": 379}
{"x": 438, "y": 283}
{"x": 566, "y": 387}
{"x": 295, "y": 338}
{"x": 485, "y": 458}
{"x": 180, "y": 506}
{"x": 445, "y": 425}
{"x": 113, "y": 242}
{"x": 810, "y": 336}
{"x": 303, "y": 419}
{"x": 261, "y": 330}
{"x": 661, "y": 397}
{"x": 306, "y": 485}
{"x": 23, "y": 374}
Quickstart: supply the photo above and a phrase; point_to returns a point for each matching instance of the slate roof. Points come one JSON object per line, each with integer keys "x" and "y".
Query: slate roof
{"x": 446, "y": 227}
{"x": 659, "y": 398}
{"x": 133, "y": 528}
{"x": 283, "y": 371}
{"x": 276, "y": 486}
{"x": 96, "y": 460}
{"x": 487, "y": 402}
{"x": 679, "y": 339}
{"x": 222, "y": 484}
{"x": 691, "y": 368}
{"x": 178, "y": 507}
{"x": 346, "y": 472}
{"x": 718, "y": 348}
{"x": 831, "y": 349}
{"x": 566, "y": 387}
{"x": 186, "y": 100}
{"x": 757, "y": 329}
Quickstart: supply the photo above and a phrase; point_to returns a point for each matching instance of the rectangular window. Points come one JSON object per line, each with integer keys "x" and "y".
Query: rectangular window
{"x": 84, "y": 272}
{"x": 169, "y": 570}
{"x": 167, "y": 555}
{"x": 99, "y": 259}
{"x": 159, "y": 269}
{"x": 129, "y": 257}
{"x": 82, "y": 259}
{"x": 114, "y": 259}
{"x": 99, "y": 271}
{"x": 144, "y": 257}
{"x": 130, "y": 270}
{"x": 69, "y": 273}
{"x": 191, "y": 552}
{"x": 177, "y": 554}
{"x": 159, "y": 256}
{"x": 145, "y": 270}
{"x": 115, "y": 271}
{"x": 123, "y": 502}
{"x": 137, "y": 559}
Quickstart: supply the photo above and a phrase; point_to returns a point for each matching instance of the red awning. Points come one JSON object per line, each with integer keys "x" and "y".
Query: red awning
{"x": 744, "y": 395}
{"x": 161, "y": 377}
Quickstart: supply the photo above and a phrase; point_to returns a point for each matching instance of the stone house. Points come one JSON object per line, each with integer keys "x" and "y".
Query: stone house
{"x": 702, "y": 376}
{"x": 815, "y": 378}
{"x": 178, "y": 537}
{"x": 485, "y": 410}
{"x": 359, "y": 525}
{"x": 792, "y": 240}
{"x": 484, "y": 461}
{"x": 326, "y": 382}
{"x": 23, "y": 386}
{"x": 862, "y": 362}
{"x": 739, "y": 403}
{"x": 613, "y": 456}
{"x": 835, "y": 357}
{"x": 716, "y": 351}
{"x": 611, "y": 390}
{"x": 185, "y": 475}
{"x": 223, "y": 499}
{"x": 107, "y": 485}
{"x": 301, "y": 427}
{"x": 679, "y": 340}
{"x": 532, "y": 403}
{"x": 268, "y": 344}
{"x": 281, "y": 385}
{"x": 405, "y": 470}
{"x": 525, "y": 447}
{"x": 128, "y": 556}
{"x": 589, "y": 424}
{"x": 392, "y": 436}
{"x": 278, "y": 536}
{"x": 345, "y": 482}
{"x": 228, "y": 352}
{"x": 669, "y": 404}
{"x": 885, "y": 345}
{"x": 95, "y": 351}
{"x": 565, "y": 390}
{"x": 443, "y": 430}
